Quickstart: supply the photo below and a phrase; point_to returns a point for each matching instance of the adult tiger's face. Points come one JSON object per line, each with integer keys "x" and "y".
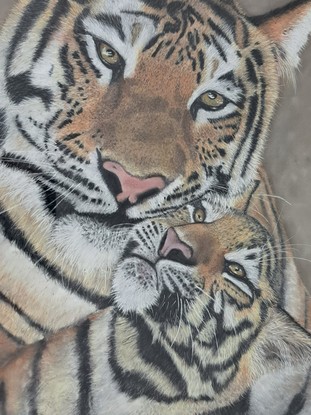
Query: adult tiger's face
{"x": 141, "y": 106}
{"x": 204, "y": 291}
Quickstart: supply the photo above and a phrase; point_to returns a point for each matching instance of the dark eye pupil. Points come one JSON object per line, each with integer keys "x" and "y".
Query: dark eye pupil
{"x": 110, "y": 52}
{"x": 212, "y": 95}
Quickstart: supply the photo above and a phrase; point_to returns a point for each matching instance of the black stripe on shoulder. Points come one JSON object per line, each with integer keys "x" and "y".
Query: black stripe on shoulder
{"x": 241, "y": 407}
{"x": 133, "y": 383}
{"x": 258, "y": 20}
{"x": 84, "y": 371}
{"x": 34, "y": 385}
{"x": 299, "y": 400}
{"x": 3, "y": 410}
{"x": 19, "y": 341}
{"x": 13, "y": 234}
{"x": 31, "y": 14}
{"x": 154, "y": 354}
{"x": 60, "y": 11}
{"x": 22, "y": 314}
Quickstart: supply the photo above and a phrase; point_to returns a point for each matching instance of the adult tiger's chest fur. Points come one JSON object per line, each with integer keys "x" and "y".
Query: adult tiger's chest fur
{"x": 53, "y": 271}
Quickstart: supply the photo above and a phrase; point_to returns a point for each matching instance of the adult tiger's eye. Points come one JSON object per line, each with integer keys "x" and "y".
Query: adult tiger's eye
{"x": 108, "y": 55}
{"x": 237, "y": 270}
{"x": 212, "y": 99}
{"x": 199, "y": 215}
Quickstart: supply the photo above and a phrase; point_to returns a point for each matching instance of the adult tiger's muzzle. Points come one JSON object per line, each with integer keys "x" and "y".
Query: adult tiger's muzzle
{"x": 132, "y": 188}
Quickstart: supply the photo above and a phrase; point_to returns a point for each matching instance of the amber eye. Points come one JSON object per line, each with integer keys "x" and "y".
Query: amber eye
{"x": 236, "y": 270}
{"x": 213, "y": 100}
{"x": 199, "y": 215}
{"x": 108, "y": 55}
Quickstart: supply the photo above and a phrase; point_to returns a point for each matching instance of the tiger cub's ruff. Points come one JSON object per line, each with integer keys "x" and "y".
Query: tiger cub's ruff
{"x": 173, "y": 95}
{"x": 194, "y": 330}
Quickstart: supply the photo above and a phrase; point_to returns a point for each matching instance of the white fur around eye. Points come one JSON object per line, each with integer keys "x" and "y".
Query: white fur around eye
{"x": 238, "y": 283}
{"x": 203, "y": 116}
{"x": 125, "y": 48}
{"x": 251, "y": 266}
{"x": 106, "y": 73}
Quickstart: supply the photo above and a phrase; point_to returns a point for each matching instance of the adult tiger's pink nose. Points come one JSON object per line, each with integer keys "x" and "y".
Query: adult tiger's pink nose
{"x": 173, "y": 248}
{"x": 133, "y": 187}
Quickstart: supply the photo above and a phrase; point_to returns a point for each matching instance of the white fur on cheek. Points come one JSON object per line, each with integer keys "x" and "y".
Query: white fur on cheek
{"x": 135, "y": 285}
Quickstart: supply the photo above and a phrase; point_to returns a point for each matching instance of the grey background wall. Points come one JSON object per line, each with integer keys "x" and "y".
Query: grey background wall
{"x": 288, "y": 153}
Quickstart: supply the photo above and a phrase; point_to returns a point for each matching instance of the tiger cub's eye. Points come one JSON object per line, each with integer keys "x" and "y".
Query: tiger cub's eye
{"x": 199, "y": 215}
{"x": 236, "y": 270}
{"x": 212, "y": 99}
{"x": 108, "y": 55}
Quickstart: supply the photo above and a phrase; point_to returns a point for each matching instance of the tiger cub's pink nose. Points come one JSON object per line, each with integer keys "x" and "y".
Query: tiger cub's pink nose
{"x": 133, "y": 187}
{"x": 173, "y": 248}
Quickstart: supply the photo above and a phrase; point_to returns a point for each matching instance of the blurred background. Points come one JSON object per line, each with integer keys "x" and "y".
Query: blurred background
{"x": 288, "y": 153}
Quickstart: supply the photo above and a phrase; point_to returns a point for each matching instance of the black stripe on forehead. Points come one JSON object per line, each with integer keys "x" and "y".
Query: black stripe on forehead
{"x": 150, "y": 16}
{"x": 180, "y": 18}
{"x": 112, "y": 21}
{"x": 218, "y": 30}
{"x": 222, "y": 12}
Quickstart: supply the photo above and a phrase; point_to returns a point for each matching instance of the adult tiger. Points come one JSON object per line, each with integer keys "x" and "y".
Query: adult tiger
{"x": 113, "y": 112}
{"x": 195, "y": 330}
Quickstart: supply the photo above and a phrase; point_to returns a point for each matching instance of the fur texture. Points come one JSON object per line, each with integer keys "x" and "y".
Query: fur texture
{"x": 91, "y": 140}
{"x": 202, "y": 335}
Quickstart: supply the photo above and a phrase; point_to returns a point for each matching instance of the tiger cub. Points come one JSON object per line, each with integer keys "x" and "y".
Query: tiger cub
{"x": 195, "y": 329}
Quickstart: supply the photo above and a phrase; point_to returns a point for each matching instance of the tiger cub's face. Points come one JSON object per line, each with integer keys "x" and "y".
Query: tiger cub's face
{"x": 220, "y": 272}
{"x": 142, "y": 106}
{"x": 201, "y": 293}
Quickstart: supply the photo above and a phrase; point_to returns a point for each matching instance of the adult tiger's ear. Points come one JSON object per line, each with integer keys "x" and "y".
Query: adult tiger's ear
{"x": 289, "y": 28}
{"x": 281, "y": 343}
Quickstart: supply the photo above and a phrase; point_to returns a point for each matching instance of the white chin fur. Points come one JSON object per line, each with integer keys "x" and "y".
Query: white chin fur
{"x": 135, "y": 285}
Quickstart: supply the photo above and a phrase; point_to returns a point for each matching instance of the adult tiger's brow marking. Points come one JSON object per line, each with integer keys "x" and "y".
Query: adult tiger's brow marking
{"x": 113, "y": 21}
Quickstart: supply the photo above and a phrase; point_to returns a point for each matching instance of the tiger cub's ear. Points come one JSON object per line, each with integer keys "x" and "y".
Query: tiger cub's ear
{"x": 281, "y": 343}
{"x": 289, "y": 27}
